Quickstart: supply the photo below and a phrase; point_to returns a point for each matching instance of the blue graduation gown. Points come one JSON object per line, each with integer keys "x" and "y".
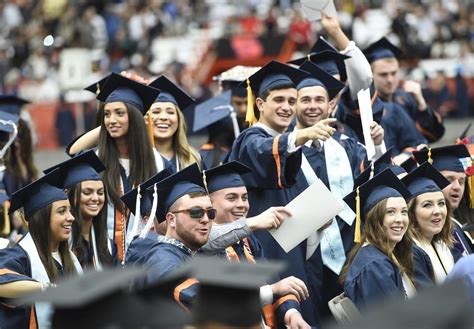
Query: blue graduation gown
{"x": 423, "y": 276}
{"x": 14, "y": 266}
{"x": 372, "y": 277}
{"x": 400, "y": 130}
{"x": 462, "y": 244}
{"x": 276, "y": 179}
{"x": 161, "y": 258}
{"x": 428, "y": 122}
{"x": 324, "y": 283}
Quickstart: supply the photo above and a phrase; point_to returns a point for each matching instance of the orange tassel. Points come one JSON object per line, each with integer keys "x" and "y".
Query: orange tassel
{"x": 250, "y": 115}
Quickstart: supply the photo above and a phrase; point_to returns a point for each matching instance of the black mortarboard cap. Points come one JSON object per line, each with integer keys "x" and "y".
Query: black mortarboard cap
{"x": 445, "y": 157}
{"x": 121, "y": 89}
{"x": 96, "y": 87}
{"x": 38, "y": 194}
{"x": 409, "y": 165}
{"x": 274, "y": 74}
{"x": 130, "y": 198}
{"x": 319, "y": 77}
{"x": 11, "y": 104}
{"x": 382, "y": 48}
{"x": 229, "y": 293}
{"x": 381, "y": 186}
{"x": 212, "y": 110}
{"x": 424, "y": 179}
{"x": 175, "y": 186}
{"x": 171, "y": 92}
{"x": 224, "y": 176}
{"x": 331, "y": 62}
{"x": 103, "y": 300}
{"x": 83, "y": 166}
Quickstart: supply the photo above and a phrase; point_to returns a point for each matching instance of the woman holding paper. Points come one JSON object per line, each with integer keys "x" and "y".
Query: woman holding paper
{"x": 381, "y": 263}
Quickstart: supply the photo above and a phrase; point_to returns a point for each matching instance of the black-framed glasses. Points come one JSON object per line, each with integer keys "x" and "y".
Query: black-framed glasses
{"x": 198, "y": 212}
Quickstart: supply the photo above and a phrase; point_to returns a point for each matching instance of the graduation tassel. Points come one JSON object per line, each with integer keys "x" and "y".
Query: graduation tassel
{"x": 6, "y": 218}
{"x": 97, "y": 89}
{"x": 471, "y": 190}
{"x": 430, "y": 161}
{"x": 250, "y": 116}
{"x": 357, "y": 238}
{"x": 150, "y": 129}
{"x": 204, "y": 180}
{"x": 309, "y": 57}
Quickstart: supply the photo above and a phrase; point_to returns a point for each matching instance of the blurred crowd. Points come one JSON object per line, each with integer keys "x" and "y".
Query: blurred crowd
{"x": 172, "y": 37}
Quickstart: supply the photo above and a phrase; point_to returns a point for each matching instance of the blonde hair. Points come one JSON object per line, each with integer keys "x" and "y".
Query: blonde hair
{"x": 185, "y": 153}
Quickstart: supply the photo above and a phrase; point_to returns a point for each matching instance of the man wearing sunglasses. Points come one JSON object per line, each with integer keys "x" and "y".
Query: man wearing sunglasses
{"x": 229, "y": 196}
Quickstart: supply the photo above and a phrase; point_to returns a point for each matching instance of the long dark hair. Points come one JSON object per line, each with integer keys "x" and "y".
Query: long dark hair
{"x": 39, "y": 224}
{"x": 142, "y": 160}
{"x": 374, "y": 232}
{"x": 79, "y": 246}
{"x": 24, "y": 141}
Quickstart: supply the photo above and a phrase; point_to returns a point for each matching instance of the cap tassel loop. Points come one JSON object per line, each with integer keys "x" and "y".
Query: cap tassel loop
{"x": 6, "y": 218}
{"x": 97, "y": 89}
{"x": 430, "y": 161}
{"x": 357, "y": 238}
{"x": 150, "y": 129}
{"x": 309, "y": 57}
{"x": 250, "y": 116}
{"x": 204, "y": 180}
{"x": 471, "y": 190}
{"x": 150, "y": 223}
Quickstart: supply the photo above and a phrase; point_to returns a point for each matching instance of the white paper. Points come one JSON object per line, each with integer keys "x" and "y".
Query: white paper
{"x": 313, "y": 8}
{"x": 366, "y": 118}
{"x": 313, "y": 208}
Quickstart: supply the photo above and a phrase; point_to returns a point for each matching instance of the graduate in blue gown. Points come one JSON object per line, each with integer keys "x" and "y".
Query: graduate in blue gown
{"x": 380, "y": 265}
{"x": 429, "y": 213}
{"x": 274, "y": 156}
{"x": 383, "y": 56}
{"x": 41, "y": 258}
{"x": 230, "y": 198}
{"x": 447, "y": 160}
{"x": 86, "y": 193}
{"x": 184, "y": 204}
{"x": 336, "y": 162}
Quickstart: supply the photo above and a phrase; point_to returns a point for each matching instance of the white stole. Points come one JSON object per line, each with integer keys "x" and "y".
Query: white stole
{"x": 441, "y": 258}
{"x": 38, "y": 272}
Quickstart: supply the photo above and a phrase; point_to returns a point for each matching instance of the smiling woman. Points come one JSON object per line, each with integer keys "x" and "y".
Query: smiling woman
{"x": 42, "y": 257}
{"x": 381, "y": 263}
{"x": 430, "y": 212}
{"x": 86, "y": 193}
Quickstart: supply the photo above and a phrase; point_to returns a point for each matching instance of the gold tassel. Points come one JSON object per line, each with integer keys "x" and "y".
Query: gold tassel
{"x": 97, "y": 89}
{"x": 357, "y": 238}
{"x": 250, "y": 116}
{"x": 430, "y": 161}
{"x": 6, "y": 218}
{"x": 471, "y": 190}
{"x": 204, "y": 180}
{"x": 309, "y": 57}
{"x": 150, "y": 129}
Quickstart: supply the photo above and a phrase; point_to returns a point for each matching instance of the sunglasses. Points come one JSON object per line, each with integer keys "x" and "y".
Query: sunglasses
{"x": 198, "y": 213}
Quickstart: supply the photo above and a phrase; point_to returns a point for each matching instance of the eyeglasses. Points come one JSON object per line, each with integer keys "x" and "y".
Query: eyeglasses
{"x": 198, "y": 213}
